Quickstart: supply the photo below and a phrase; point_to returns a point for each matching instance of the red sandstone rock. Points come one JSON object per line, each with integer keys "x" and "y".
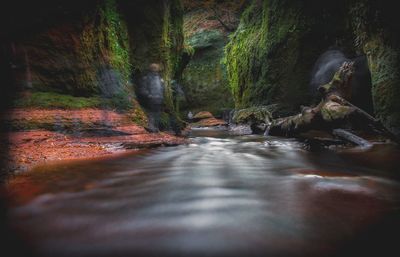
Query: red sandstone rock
{"x": 33, "y": 147}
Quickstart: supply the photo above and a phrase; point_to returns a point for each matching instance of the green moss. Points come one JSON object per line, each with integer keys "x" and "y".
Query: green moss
{"x": 376, "y": 35}
{"x": 71, "y": 57}
{"x": 263, "y": 54}
{"x": 164, "y": 121}
{"x": 332, "y": 111}
{"x": 116, "y": 39}
{"x": 270, "y": 56}
{"x": 55, "y": 100}
{"x": 120, "y": 101}
{"x": 105, "y": 42}
{"x": 51, "y": 100}
{"x": 155, "y": 31}
{"x": 97, "y": 53}
{"x": 205, "y": 38}
{"x": 254, "y": 115}
{"x": 204, "y": 80}
{"x": 172, "y": 49}
{"x": 384, "y": 62}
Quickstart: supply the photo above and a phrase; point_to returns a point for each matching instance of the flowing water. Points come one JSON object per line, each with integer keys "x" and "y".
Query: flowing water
{"x": 217, "y": 196}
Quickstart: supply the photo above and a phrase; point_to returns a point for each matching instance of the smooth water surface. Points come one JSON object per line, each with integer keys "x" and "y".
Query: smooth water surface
{"x": 217, "y": 196}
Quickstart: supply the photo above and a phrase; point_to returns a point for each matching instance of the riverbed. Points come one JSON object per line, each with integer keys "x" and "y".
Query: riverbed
{"x": 219, "y": 195}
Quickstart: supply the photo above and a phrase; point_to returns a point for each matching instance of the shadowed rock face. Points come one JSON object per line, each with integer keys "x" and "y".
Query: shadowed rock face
{"x": 361, "y": 85}
{"x": 110, "y": 82}
{"x": 150, "y": 92}
{"x": 329, "y": 63}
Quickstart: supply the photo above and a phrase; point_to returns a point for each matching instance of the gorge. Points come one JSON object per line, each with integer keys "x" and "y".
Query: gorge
{"x": 201, "y": 128}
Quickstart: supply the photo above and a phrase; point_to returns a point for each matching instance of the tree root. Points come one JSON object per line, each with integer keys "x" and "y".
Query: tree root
{"x": 332, "y": 113}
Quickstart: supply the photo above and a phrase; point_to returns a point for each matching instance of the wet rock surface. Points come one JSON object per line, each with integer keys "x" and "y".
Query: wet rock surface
{"x": 205, "y": 119}
{"x": 79, "y": 134}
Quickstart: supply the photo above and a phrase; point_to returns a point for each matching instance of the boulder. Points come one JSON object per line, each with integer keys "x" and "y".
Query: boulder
{"x": 202, "y": 115}
{"x": 256, "y": 117}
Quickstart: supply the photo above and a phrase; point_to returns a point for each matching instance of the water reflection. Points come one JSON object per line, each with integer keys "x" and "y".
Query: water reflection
{"x": 218, "y": 196}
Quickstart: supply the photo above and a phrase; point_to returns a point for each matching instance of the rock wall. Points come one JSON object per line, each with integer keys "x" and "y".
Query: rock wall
{"x": 376, "y": 28}
{"x": 82, "y": 55}
{"x": 271, "y": 54}
{"x": 156, "y": 37}
{"x": 93, "y": 48}
{"x": 204, "y": 79}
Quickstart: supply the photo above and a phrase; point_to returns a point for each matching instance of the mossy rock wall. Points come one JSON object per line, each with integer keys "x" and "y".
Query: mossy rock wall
{"x": 384, "y": 63}
{"x": 376, "y": 26}
{"x": 83, "y": 56}
{"x": 270, "y": 56}
{"x": 156, "y": 36}
{"x": 99, "y": 50}
{"x": 204, "y": 79}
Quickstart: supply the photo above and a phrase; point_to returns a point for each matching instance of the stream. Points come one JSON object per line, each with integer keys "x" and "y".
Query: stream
{"x": 220, "y": 195}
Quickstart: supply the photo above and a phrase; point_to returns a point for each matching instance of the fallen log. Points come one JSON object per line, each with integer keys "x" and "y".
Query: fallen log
{"x": 333, "y": 112}
{"x": 350, "y": 137}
